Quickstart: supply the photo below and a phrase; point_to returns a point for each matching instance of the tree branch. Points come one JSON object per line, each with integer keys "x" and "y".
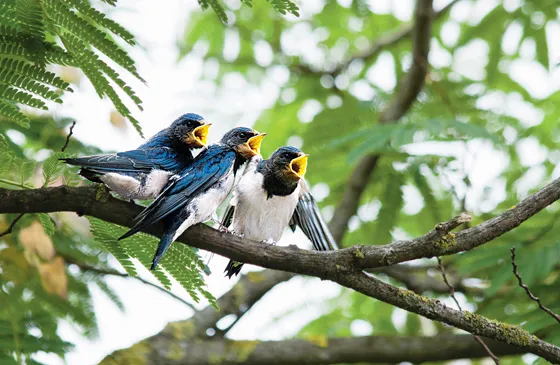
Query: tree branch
{"x": 372, "y": 349}
{"x": 343, "y": 266}
{"x": 439, "y": 241}
{"x": 434, "y": 309}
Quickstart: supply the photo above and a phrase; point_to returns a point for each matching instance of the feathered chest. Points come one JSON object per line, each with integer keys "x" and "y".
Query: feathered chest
{"x": 259, "y": 215}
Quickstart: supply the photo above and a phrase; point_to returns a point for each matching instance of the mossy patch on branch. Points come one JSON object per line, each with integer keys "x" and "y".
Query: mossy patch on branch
{"x": 446, "y": 241}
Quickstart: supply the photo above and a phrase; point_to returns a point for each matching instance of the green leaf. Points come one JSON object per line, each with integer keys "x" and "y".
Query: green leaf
{"x": 83, "y": 7}
{"x": 378, "y": 138}
{"x": 52, "y": 167}
{"x": 105, "y": 234}
{"x": 13, "y": 113}
{"x": 392, "y": 202}
{"x": 110, "y": 293}
{"x": 47, "y": 223}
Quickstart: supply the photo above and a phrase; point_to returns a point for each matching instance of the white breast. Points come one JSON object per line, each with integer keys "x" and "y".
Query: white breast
{"x": 256, "y": 216}
{"x": 203, "y": 206}
{"x": 130, "y": 188}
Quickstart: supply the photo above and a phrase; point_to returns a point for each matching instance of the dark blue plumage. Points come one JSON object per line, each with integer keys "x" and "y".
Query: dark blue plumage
{"x": 143, "y": 172}
{"x": 199, "y": 189}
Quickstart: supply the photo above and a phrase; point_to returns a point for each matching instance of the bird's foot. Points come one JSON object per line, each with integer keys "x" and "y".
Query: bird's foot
{"x": 269, "y": 241}
{"x": 221, "y": 227}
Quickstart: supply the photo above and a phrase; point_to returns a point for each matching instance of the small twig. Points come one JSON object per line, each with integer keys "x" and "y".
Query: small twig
{"x": 452, "y": 291}
{"x": 528, "y": 291}
{"x": 68, "y": 136}
{"x": 98, "y": 271}
{"x": 11, "y": 227}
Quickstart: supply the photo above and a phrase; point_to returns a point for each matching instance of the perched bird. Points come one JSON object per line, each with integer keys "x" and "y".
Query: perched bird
{"x": 194, "y": 195}
{"x": 142, "y": 173}
{"x": 271, "y": 195}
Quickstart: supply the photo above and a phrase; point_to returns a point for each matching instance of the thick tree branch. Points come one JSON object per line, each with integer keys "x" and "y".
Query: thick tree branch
{"x": 439, "y": 241}
{"x": 343, "y": 266}
{"x": 434, "y": 309}
{"x": 373, "y": 349}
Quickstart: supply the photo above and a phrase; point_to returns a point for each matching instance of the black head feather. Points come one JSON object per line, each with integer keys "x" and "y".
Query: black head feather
{"x": 278, "y": 178}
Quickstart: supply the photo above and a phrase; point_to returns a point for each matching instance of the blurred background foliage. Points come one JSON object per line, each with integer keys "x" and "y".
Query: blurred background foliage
{"x": 474, "y": 141}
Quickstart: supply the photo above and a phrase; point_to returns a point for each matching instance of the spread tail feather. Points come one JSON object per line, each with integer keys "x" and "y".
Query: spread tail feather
{"x": 164, "y": 243}
{"x": 233, "y": 268}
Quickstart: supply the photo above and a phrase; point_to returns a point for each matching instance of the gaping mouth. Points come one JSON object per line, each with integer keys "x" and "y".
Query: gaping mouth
{"x": 200, "y": 134}
{"x": 298, "y": 166}
{"x": 254, "y": 143}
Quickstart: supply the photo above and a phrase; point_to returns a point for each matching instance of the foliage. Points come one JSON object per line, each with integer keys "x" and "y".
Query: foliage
{"x": 331, "y": 88}
{"x": 28, "y": 33}
{"x": 330, "y": 99}
{"x": 41, "y": 247}
{"x": 183, "y": 263}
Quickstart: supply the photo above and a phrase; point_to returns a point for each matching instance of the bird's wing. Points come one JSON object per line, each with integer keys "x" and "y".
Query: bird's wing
{"x": 250, "y": 167}
{"x": 205, "y": 171}
{"x": 130, "y": 161}
{"x": 308, "y": 217}
{"x": 228, "y": 216}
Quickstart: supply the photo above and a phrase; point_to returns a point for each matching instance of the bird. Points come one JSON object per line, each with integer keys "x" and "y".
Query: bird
{"x": 193, "y": 196}
{"x": 142, "y": 173}
{"x": 271, "y": 195}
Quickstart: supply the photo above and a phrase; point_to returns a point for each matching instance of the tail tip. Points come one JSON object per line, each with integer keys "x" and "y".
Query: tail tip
{"x": 233, "y": 268}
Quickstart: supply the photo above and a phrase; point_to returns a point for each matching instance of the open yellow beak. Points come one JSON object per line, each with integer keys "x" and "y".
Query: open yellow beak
{"x": 254, "y": 143}
{"x": 200, "y": 134}
{"x": 298, "y": 166}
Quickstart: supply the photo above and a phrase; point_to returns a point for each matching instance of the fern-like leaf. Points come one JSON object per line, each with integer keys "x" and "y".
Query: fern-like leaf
{"x": 8, "y": 77}
{"x": 100, "y": 18}
{"x": 182, "y": 263}
{"x": 9, "y": 93}
{"x": 110, "y": 293}
{"x": 13, "y": 113}
{"x": 34, "y": 72}
{"x": 52, "y": 167}
{"x": 142, "y": 248}
{"x": 47, "y": 223}
{"x": 30, "y": 18}
{"x": 283, "y": 6}
{"x": 68, "y": 19}
{"x": 91, "y": 65}
{"x": 105, "y": 234}
{"x": 185, "y": 266}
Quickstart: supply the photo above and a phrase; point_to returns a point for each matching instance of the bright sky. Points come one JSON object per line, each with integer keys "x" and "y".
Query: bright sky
{"x": 175, "y": 88}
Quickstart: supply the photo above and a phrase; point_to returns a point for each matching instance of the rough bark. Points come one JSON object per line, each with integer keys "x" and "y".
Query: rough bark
{"x": 371, "y": 349}
{"x": 344, "y": 266}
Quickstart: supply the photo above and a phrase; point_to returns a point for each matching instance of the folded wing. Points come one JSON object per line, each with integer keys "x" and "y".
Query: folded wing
{"x": 205, "y": 171}
{"x": 129, "y": 161}
{"x": 308, "y": 217}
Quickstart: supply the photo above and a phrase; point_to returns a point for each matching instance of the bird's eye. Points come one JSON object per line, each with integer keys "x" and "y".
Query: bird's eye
{"x": 286, "y": 155}
{"x": 243, "y": 135}
{"x": 190, "y": 123}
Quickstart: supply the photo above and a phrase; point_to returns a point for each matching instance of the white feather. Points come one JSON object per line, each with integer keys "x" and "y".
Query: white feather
{"x": 203, "y": 206}
{"x": 256, "y": 216}
{"x": 131, "y": 188}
